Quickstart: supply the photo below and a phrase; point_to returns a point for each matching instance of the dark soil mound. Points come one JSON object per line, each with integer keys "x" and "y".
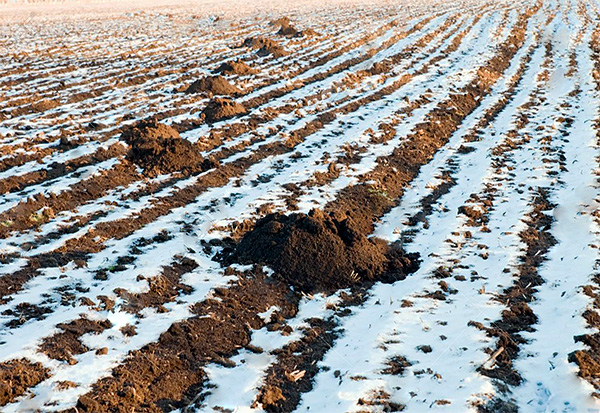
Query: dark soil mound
{"x": 316, "y": 253}
{"x": 265, "y": 46}
{"x": 220, "y": 109}
{"x": 216, "y": 85}
{"x": 158, "y": 149}
{"x": 235, "y": 68}
{"x": 272, "y": 49}
{"x": 289, "y": 31}
{"x": 286, "y": 28}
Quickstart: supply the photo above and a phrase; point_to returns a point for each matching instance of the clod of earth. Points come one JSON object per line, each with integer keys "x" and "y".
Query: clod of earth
{"x": 288, "y": 30}
{"x": 216, "y": 85}
{"x": 282, "y": 21}
{"x": 16, "y": 376}
{"x": 317, "y": 253}
{"x": 220, "y": 109}
{"x": 265, "y": 46}
{"x": 236, "y": 67}
{"x": 158, "y": 149}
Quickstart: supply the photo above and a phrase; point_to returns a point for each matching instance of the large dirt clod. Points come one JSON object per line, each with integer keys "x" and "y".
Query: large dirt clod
{"x": 265, "y": 46}
{"x": 220, "y": 109}
{"x": 286, "y": 28}
{"x": 289, "y": 31}
{"x": 16, "y": 376}
{"x": 158, "y": 149}
{"x": 235, "y": 68}
{"x": 281, "y": 21}
{"x": 317, "y": 253}
{"x": 216, "y": 85}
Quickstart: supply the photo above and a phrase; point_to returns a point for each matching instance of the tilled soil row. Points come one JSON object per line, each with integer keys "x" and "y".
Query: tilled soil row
{"x": 163, "y": 288}
{"x": 56, "y": 170}
{"x": 588, "y": 360}
{"x": 218, "y": 156}
{"x": 168, "y": 374}
{"x": 519, "y": 317}
{"x": 386, "y": 130}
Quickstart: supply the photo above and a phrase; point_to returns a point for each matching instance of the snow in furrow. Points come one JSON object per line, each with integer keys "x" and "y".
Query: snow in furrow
{"x": 550, "y": 381}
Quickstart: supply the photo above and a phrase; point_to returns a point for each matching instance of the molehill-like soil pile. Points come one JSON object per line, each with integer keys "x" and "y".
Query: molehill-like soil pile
{"x": 215, "y": 85}
{"x": 317, "y": 253}
{"x": 220, "y": 109}
{"x": 265, "y": 46}
{"x": 158, "y": 149}
{"x": 235, "y": 68}
{"x": 286, "y": 28}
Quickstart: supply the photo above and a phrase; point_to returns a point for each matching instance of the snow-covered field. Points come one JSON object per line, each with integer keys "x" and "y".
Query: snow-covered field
{"x": 464, "y": 133}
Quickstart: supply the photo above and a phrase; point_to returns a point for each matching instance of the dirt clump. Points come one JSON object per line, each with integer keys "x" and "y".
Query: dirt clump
{"x": 220, "y": 109}
{"x": 270, "y": 396}
{"x": 16, "y": 376}
{"x": 215, "y": 85}
{"x": 265, "y": 46}
{"x": 309, "y": 33}
{"x": 44, "y": 105}
{"x": 235, "y": 67}
{"x": 289, "y": 31}
{"x": 158, "y": 149}
{"x": 282, "y": 21}
{"x": 318, "y": 253}
{"x": 286, "y": 28}
{"x": 64, "y": 345}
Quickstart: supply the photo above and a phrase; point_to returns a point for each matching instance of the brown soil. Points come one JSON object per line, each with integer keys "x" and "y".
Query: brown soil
{"x": 215, "y": 85}
{"x": 366, "y": 202}
{"x": 168, "y": 374}
{"x": 43, "y": 105}
{"x": 265, "y": 46}
{"x": 220, "y": 109}
{"x": 64, "y": 345}
{"x": 318, "y": 253}
{"x": 163, "y": 288}
{"x": 16, "y": 376}
{"x": 235, "y": 68}
{"x": 286, "y": 28}
{"x": 27, "y": 214}
{"x": 25, "y": 312}
{"x": 56, "y": 170}
{"x": 281, "y": 21}
{"x": 519, "y": 317}
{"x": 302, "y": 356}
{"x": 266, "y": 97}
{"x": 158, "y": 149}
{"x": 280, "y": 394}
{"x": 289, "y": 31}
